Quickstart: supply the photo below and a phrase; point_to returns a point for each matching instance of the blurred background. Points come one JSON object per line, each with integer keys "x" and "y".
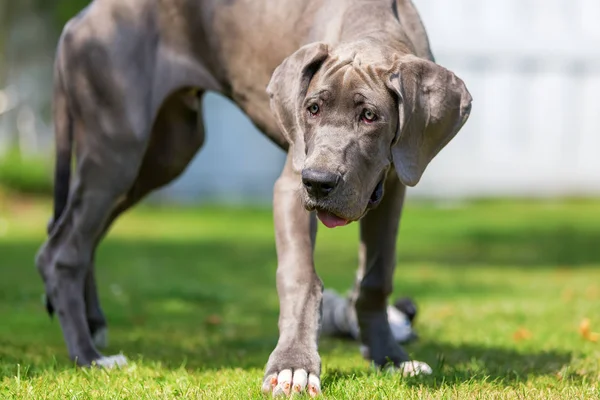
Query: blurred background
{"x": 531, "y": 66}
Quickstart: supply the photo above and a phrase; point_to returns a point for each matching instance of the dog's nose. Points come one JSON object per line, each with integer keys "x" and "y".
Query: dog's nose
{"x": 319, "y": 184}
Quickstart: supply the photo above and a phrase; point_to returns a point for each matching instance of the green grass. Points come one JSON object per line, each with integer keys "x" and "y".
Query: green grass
{"x": 30, "y": 175}
{"x": 502, "y": 288}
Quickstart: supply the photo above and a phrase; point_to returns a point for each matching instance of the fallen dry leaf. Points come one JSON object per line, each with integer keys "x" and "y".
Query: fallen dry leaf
{"x": 585, "y": 331}
{"x": 567, "y": 295}
{"x": 444, "y": 312}
{"x": 592, "y": 292}
{"x": 213, "y": 319}
{"x": 584, "y": 327}
{"x": 563, "y": 273}
{"x": 522, "y": 334}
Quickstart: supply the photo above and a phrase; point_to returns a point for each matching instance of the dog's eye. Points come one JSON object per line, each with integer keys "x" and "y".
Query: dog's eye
{"x": 313, "y": 109}
{"x": 368, "y": 116}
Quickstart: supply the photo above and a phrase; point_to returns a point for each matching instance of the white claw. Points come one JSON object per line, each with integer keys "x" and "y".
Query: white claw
{"x": 414, "y": 368}
{"x": 109, "y": 362}
{"x": 284, "y": 383}
{"x": 299, "y": 381}
{"x": 269, "y": 383}
{"x": 314, "y": 385}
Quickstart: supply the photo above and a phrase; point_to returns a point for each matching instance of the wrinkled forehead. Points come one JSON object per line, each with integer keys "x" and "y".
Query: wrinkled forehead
{"x": 350, "y": 78}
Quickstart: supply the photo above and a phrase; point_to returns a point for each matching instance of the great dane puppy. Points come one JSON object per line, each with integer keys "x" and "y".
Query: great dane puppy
{"x": 352, "y": 94}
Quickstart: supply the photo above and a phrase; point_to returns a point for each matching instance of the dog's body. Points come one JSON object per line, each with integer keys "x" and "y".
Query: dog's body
{"x": 128, "y": 81}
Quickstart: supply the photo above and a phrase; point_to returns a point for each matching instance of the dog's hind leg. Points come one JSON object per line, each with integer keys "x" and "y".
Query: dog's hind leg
{"x": 177, "y": 135}
{"x": 66, "y": 257}
{"x": 107, "y": 108}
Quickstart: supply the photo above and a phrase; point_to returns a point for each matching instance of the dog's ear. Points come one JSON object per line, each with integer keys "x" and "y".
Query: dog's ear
{"x": 433, "y": 105}
{"x": 287, "y": 90}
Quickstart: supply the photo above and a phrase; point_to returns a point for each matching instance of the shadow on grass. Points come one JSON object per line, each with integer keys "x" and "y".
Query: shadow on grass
{"x": 564, "y": 246}
{"x": 452, "y": 364}
{"x": 468, "y": 363}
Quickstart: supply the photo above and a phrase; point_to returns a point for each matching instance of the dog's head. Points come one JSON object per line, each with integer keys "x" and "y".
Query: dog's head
{"x": 351, "y": 112}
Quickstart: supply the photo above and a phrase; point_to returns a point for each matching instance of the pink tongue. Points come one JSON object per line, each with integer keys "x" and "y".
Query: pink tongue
{"x": 330, "y": 220}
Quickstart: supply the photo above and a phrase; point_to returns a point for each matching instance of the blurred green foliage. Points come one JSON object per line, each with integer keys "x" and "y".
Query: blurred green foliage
{"x": 60, "y": 10}
{"x": 65, "y": 9}
{"x": 19, "y": 173}
{"x": 26, "y": 175}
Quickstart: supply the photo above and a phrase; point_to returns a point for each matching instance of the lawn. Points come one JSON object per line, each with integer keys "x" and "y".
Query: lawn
{"x": 502, "y": 289}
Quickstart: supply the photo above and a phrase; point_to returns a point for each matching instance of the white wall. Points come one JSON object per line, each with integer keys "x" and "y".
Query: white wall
{"x": 237, "y": 163}
{"x": 533, "y": 68}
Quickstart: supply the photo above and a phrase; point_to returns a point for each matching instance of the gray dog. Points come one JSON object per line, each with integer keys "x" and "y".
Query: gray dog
{"x": 352, "y": 94}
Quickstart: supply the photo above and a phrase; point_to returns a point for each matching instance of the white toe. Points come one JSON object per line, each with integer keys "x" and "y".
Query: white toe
{"x": 413, "y": 368}
{"x": 269, "y": 383}
{"x": 299, "y": 381}
{"x": 118, "y": 360}
{"x": 314, "y": 385}
{"x": 284, "y": 383}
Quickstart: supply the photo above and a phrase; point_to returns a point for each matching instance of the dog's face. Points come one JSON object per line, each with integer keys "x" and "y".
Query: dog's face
{"x": 348, "y": 120}
{"x": 351, "y": 112}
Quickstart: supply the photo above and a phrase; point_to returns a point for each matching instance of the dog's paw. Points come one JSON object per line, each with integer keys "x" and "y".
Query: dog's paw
{"x": 110, "y": 362}
{"x": 412, "y": 368}
{"x": 290, "y": 382}
{"x": 293, "y": 370}
{"x": 406, "y": 368}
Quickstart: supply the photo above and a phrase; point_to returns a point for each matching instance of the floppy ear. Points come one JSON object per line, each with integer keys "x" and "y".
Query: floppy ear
{"x": 433, "y": 105}
{"x": 287, "y": 90}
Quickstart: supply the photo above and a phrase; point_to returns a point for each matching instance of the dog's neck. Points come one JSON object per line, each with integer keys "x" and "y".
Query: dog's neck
{"x": 378, "y": 21}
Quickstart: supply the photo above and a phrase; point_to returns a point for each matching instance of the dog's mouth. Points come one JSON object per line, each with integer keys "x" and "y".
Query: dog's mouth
{"x": 326, "y": 215}
{"x": 332, "y": 220}
{"x": 377, "y": 195}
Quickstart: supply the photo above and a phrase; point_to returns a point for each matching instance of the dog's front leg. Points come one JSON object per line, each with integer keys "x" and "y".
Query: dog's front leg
{"x": 295, "y": 364}
{"x": 377, "y": 260}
